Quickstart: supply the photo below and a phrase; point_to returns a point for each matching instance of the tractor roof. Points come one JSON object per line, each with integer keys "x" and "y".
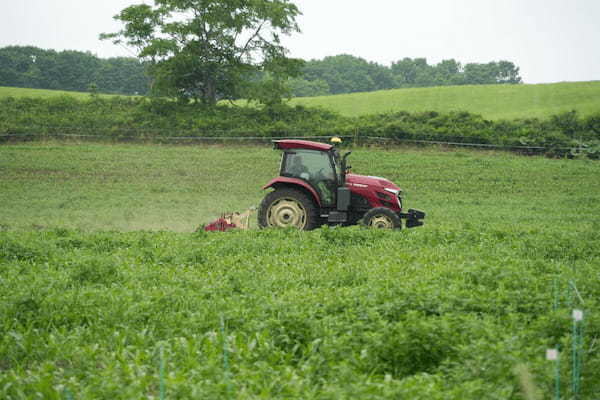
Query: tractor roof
{"x": 301, "y": 144}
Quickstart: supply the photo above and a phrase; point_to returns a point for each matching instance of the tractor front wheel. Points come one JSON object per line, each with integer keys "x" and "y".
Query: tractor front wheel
{"x": 382, "y": 218}
{"x": 288, "y": 208}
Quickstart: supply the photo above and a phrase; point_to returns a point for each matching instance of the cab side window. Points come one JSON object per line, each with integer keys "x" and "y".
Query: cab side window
{"x": 308, "y": 165}
{"x": 315, "y": 168}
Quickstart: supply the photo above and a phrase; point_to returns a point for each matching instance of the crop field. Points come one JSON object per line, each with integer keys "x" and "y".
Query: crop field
{"x": 106, "y": 291}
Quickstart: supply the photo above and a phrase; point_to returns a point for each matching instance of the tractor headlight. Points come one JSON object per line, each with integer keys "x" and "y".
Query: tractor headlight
{"x": 396, "y": 193}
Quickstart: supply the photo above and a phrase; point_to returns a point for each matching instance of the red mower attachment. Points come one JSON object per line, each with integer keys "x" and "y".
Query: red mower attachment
{"x": 230, "y": 221}
{"x": 220, "y": 225}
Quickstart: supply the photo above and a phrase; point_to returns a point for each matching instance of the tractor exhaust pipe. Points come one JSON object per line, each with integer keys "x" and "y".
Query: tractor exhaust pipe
{"x": 345, "y": 167}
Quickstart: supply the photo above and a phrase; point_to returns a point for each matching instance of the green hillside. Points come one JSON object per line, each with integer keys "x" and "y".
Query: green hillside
{"x": 25, "y": 92}
{"x": 491, "y": 101}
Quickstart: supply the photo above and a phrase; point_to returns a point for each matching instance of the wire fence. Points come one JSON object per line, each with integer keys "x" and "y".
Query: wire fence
{"x": 150, "y": 135}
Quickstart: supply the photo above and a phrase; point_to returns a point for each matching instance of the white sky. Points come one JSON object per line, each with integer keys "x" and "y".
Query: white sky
{"x": 550, "y": 40}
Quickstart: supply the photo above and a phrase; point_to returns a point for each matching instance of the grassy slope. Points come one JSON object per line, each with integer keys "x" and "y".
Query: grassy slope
{"x": 25, "y": 92}
{"x": 491, "y": 101}
{"x": 445, "y": 311}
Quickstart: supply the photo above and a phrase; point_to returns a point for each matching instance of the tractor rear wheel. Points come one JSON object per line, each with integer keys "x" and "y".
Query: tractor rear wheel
{"x": 288, "y": 208}
{"x": 382, "y": 218}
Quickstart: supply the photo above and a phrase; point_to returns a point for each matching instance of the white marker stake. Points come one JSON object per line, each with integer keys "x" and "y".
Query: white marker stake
{"x": 552, "y": 354}
{"x": 577, "y": 315}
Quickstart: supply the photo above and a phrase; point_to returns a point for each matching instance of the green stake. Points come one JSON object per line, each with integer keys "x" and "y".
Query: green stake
{"x": 555, "y": 306}
{"x": 554, "y": 355}
{"x": 162, "y": 373}
{"x": 225, "y": 354}
{"x": 225, "y": 357}
{"x": 557, "y": 373}
{"x": 576, "y": 372}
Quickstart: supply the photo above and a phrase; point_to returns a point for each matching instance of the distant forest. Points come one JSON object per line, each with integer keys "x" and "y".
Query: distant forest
{"x": 32, "y": 67}
{"x": 348, "y": 74}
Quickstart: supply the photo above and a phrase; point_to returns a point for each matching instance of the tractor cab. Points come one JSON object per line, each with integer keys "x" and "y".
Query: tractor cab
{"x": 319, "y": 169}
{"x": 314, "y": 187}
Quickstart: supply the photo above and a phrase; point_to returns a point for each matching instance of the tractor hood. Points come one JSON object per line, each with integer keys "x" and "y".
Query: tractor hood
{"x": 371, "y": 182}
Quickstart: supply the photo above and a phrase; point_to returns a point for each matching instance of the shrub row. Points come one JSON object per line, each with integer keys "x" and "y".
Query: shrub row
{"x": 120, "y": 117}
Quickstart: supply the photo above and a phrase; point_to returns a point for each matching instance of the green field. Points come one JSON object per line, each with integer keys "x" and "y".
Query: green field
{"x": 491, "y": 101}
{"x": 43, "y": 93}
{"x": 100, "y": 273}
{"x": 95, "y": 187}
{"x": 144, "y": 187}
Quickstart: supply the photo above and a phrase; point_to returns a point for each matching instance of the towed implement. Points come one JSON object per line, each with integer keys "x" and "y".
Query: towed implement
{"x": 315, "y": 187}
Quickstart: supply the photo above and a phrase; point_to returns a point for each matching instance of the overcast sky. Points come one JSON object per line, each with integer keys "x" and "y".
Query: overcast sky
{"x": 550, "y": 40}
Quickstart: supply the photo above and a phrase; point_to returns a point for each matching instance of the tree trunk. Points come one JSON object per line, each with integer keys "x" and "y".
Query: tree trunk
{"x": 210, "y": 92}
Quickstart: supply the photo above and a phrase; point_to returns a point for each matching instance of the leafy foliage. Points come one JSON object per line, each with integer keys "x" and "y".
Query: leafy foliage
{"x": 445, "y": 311}
{"x": 93, "y": 320}
{"x": 210, "y": 50}
{"x": 562, "y": 134}
{"x": 345, "y": 73}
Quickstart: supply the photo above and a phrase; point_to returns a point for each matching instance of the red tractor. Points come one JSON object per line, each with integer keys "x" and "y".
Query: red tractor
{"x": 315, "y": 187}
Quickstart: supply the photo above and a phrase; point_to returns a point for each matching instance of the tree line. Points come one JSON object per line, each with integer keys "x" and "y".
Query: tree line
{"x": 348, "y": 74}
{"x": 32, "y": 67}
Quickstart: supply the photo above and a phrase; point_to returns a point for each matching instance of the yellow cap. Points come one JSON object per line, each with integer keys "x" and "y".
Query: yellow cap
{"x": 336, "y": 139}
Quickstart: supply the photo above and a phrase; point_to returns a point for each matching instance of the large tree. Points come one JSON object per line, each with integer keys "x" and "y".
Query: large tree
{"x": 207, "y": 50}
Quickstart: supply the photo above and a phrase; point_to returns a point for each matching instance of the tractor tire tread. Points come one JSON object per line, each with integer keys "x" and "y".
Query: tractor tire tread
{"x": 394, "y": 218}
{"x": 312, "y": 210}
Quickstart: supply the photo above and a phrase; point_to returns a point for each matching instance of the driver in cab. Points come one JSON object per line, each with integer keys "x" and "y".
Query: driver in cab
{"x": 299, "y": 169}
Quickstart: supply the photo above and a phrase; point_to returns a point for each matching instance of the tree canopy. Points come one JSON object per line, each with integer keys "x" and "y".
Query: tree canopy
{"x": 347, "y": 74}
{"x": 207, "y": 50}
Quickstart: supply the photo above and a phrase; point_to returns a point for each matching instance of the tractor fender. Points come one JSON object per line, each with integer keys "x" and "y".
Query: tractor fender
{"x": 291, "y": 182}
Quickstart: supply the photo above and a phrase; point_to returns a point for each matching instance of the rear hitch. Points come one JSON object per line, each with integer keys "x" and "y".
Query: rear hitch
{"x": 413, "y": 217}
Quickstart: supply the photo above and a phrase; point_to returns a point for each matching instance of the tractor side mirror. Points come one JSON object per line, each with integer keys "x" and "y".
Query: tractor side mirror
{"x": 346, "y": 167}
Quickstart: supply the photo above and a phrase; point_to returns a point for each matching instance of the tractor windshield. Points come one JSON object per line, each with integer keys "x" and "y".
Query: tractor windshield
{"x": 316, "y": 168}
